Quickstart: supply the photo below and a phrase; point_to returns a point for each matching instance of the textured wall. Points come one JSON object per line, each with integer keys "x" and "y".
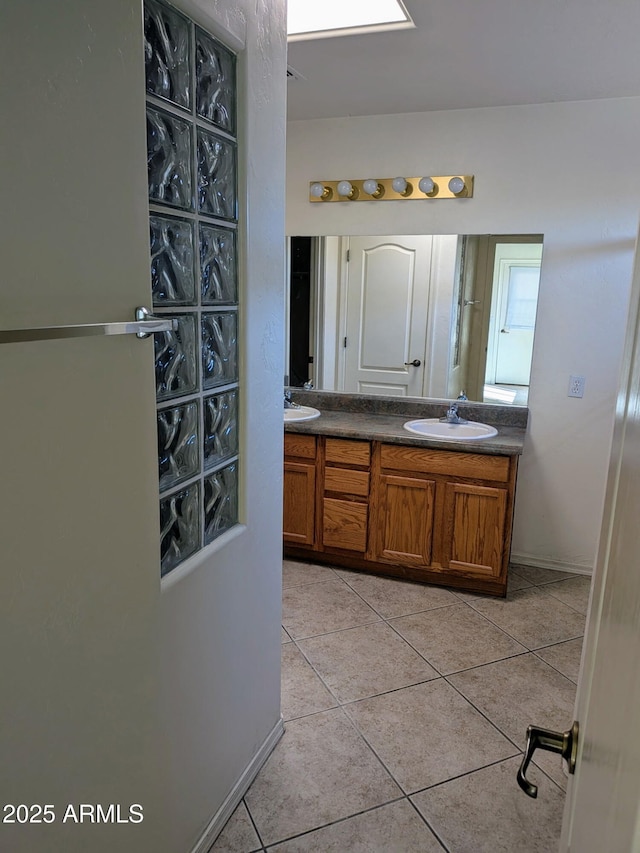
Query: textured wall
{"x": 563, "y": 170}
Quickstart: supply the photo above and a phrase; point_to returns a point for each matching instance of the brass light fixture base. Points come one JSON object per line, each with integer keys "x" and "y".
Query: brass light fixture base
{"x": 386, "y": 191}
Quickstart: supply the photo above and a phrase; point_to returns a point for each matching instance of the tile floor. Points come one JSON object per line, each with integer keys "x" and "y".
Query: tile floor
{"x": 406, "y": 708}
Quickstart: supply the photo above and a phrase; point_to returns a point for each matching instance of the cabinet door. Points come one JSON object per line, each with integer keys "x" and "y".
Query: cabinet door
{"x": 404, "y": 527}
{"x": 474, "y": 525}
{"x": 299, "y": 503}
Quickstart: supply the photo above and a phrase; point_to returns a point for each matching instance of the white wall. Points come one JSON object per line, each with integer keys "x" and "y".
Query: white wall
{"x": 568, "y": 171}
{"x": 220, "y": 612}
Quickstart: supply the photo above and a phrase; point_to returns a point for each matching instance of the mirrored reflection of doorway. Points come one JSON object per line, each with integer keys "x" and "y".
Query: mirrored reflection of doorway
{"x": 418, "y": 311}
{"x": 516, "y": 278}
{"x": 496, "y": 304}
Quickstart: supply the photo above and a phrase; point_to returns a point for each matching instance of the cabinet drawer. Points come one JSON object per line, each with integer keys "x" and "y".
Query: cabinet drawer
{"x": 347, "y": 481}
{"x": 474, "y": 465}
{"x": 344, "y": 525}
{"x": 301, "y": 446}
{"x": 347, "y": 451}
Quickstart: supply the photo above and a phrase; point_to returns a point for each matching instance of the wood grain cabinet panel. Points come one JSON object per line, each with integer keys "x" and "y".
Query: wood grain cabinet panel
{"x": 346, "y": 481}
{"x": 475, "y": 518}
{"x": 404, "y": 524}
{"x": 301, "y": 446}
{"x": 348, "y": 451}
{"x": 344, "y": 524}
{"x": 299, "y": 503}
{"x": 446, "y": 462}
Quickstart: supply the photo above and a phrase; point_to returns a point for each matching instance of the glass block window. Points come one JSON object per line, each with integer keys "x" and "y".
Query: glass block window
{"x": 193, "y": 223}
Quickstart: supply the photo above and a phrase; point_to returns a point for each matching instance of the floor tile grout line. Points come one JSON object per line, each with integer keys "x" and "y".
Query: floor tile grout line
{"x": 516, "y": 654}
{"x": 253, "y": 823}
{"x": 432, "y": 829}
{"x": 518, "y": 751}
{"x": 483, "y": 714}
{"x": 336, "y": 821}
{"x": 522, "y": 643}
{"x": 559, "y": 671}
{"x": 335, "y": 631}
{"x": 386, "y": 618}
{"x": 466, "y": 773}
{"x": 499, "y": 627}
{"x": 331, "y": 693}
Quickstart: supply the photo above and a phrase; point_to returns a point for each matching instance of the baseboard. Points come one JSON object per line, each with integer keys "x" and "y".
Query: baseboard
{"x": 239, "y": 790}
{"x": 554, "y": 565}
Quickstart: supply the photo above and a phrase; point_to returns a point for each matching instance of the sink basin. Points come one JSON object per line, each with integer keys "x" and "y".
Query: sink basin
{"x": 435, "y": 428}
{"x": 300, "y": 413}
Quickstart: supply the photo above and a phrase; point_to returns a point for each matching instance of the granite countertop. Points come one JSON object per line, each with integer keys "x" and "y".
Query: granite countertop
{"x": 382, "y": 419}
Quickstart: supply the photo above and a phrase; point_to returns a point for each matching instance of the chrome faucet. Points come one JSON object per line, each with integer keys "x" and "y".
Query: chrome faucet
{"x": 452, "y": 416}
{"x": 288, "y": 402}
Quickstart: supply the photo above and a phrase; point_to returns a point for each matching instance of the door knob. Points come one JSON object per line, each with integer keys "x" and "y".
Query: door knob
{"x": 565, "y": 743}
{"x": 415, "y": 363}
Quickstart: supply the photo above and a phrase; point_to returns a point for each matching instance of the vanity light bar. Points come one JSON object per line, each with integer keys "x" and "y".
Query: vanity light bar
{"x": 392, "y": 189}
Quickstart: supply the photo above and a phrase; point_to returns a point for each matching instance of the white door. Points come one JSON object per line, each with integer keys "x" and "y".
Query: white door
{"x": 79, "y": 508}
{"x": 516, "y": 278}
{"x": 603, "y": 800}
{"x": 387, "y": 296}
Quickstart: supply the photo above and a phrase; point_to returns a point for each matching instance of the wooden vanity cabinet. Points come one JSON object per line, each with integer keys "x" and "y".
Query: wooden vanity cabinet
{"x": 467, "y": 518}
{"x": 429, "y": 515}
{"x": 299, "y": 499}
{"x": 345, "y": 499}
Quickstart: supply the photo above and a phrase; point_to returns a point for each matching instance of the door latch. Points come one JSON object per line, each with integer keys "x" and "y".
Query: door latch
{"x": 565, "y": 743}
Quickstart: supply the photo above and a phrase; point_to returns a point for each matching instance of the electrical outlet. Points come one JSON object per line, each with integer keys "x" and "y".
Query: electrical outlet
{"x": 576, "y": 386}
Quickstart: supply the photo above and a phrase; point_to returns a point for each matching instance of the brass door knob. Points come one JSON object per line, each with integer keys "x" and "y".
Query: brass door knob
{"x": 565, "y": 743}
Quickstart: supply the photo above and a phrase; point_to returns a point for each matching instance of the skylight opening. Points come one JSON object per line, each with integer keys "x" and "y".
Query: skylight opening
{"x": 329, "y": 18}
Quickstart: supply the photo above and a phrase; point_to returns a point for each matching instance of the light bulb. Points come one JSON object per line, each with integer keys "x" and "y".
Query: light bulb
{"x": 426, "y": 185}
{"x": 345, "y": 188}
{"x": 456, "y": 185}
{"x": 317, "y": 190}
{"x": 370, "y": 186}
{"x": 399, "y": 185}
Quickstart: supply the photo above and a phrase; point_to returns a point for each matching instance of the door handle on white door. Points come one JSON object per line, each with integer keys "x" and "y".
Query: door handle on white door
{"x": 145, "y": 324}
{"x": 565, "y": 743}
{"x": 415, "y": 363}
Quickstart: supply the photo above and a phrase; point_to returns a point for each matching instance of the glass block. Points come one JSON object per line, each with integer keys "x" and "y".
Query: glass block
{"x": 176, "y": 359}
{"x": 218, "y": 268}
{"x": 215, "y": 82}
{"x": 172, "y": 268}
{"x": 166, "y": 53}
{"x": 220, "y": 502}
{"x": 169, "y": 159}
{"x": 216, "y": 176}
{"x": 219, "y": 349}
{"x": 178, "y": 445}
{"x": 179, "y": 527}
{"x": 220, "y": 427}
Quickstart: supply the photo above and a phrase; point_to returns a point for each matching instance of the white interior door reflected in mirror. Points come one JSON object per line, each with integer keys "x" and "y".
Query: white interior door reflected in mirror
{"x": 377, "y": 304}
{"x": 387, "y": 294}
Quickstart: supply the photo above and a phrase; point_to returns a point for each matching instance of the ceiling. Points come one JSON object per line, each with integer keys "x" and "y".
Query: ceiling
{"x": 472, "y": 53}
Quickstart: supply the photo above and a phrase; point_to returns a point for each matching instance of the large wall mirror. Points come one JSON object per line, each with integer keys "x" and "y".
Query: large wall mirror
{"x": 419, "y": 316}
